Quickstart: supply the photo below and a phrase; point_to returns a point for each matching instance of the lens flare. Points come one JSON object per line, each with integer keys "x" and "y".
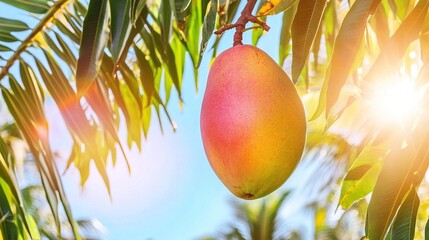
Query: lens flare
{"x": 397, "y": 101}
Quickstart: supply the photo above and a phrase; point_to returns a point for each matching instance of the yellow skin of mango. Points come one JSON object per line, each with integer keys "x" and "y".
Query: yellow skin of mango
{"x": 253, "y": 123}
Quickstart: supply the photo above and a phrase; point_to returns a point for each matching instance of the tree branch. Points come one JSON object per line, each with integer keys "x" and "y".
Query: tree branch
{"x": 26, "y": 42}
{"x": 240, "y": 26}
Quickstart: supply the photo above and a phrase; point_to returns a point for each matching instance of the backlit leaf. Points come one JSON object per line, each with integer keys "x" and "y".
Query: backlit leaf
{"x": 390, "y": 57}
{"x": 362, "y": 175}
{"x": 120, "y": 26}
{"x": 8, "y": 25}
{"x": 397, "y": 177}
{"x": 33, "y": 6}
{"x": 404, "y": 224}
{"x": 304, "y": 29}
{"x": 271, "y": 7}
{"x": 208, "y": 27}
{"x": 345, "y": 50}
{"x": 94, "y": 40}
{"x": 285, "y": 34}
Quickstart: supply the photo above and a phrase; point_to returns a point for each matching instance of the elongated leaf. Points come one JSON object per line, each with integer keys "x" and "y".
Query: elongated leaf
{"x": 182, "y": 8}
{"x": 120, "y": 26}
{"x": 8, "y": 25}
{"x": 147, "y": 77}
{"x": 7, "y": 224}
{"x": 98, "y": 99}
{"x": 424, "y": 40}
{"x": 362, "y": 176}
{"x": 397, "y": 177}
{"x": 427, "y": 230}
{"x": 146, "y": 117}
{"x": 68, "y": 31}
{"x": 390, "y": 57}
{"x": 133, "y": 122}
{"x": 94, "y": 40}
{"x": 208, "y": 27}
{"x": 9, "y": 178}
{"x": 381, "y": 26}
{"x": 405, "y": 221}
{"x": 132, "y": 82}
{"x": 7, "y": 37}
{"x": 345, "y": 50}
{"x": 317, "y": 45}
{"x": 135, "y": 29}
{"x": 5, "y": 49}
{"x": 304, "y": 29}
{"x": 33, "y": 6}
{"x": 331, "y": 26}
{"x": 257, "y": 32}
{"x": 193, "y": 26}
{"x": 168, "y": 57}
{"x": 136, "y": 9}
{"x": 271, "y": 7}
{"x": 285, "y": 34}
{"x": 68, "y": 53}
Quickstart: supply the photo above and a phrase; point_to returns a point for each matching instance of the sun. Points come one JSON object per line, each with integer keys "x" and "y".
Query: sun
{"x": 397, "y": 101}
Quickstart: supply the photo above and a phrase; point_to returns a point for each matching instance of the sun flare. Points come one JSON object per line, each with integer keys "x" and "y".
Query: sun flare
{"x": 397, "y": 101}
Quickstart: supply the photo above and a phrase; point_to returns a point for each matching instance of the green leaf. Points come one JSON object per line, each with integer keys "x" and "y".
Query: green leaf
{"x": 164, "y": 19}
{"x": 362, "y": 175}
{"x": 133, "y": 123}
{"x": 331, "y": 26}
{"x": 404, "y": 224}
{"x": 99, "y": 100}
{"x": 8, "y": 228}
{"x": 120, "y": 26}
{"x": 8, "y": 25}
{"x": 146, "y": 117}
{"x": 401, "y": 8}
{"x": 7, "y": 37}
{"x": 131, "y": 81}
{"x": 257, "y": 32}
{"x": 147, "y": 76}
{"x": 136, "y": 9}
{"x": 9, "y": 178}
{"x": 33, "y": 6}
{"x": 167, "y": 55}
{"x": 94, "y": 39}
{"x": 403, "y": 169}
{"x": 67, "y": 31}
{"x": 68, "y": 53}
{"x": 192, "y": 31}
{"x": 304, "y": 28}
{"x": 391, "y": 56}
{"x": 345, "y": 50}
{"x": 427, "y": 230}
{"x": 33, "y": 91}
{"x": 208, "y": 27}
{"x": 182, "y": 9}
{"x": 5, "y": 49}
{"x": 285, "y": 33}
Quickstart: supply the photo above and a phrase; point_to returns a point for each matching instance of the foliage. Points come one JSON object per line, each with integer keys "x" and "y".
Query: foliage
{"x": 125, "y": 58}
{"x": 25, "y": 212}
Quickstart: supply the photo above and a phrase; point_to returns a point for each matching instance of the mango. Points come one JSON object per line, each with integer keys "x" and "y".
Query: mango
{"x": 252, "y": 121}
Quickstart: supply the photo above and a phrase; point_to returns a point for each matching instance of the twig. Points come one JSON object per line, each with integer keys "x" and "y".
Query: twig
{"x": 240, "y": 26}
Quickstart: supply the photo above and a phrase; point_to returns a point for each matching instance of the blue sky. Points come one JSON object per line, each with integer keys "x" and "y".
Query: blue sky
{"x": 172, "y": 193}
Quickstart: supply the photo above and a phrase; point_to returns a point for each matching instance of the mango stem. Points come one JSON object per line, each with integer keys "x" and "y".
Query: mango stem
{"x": 240, "y": 26}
